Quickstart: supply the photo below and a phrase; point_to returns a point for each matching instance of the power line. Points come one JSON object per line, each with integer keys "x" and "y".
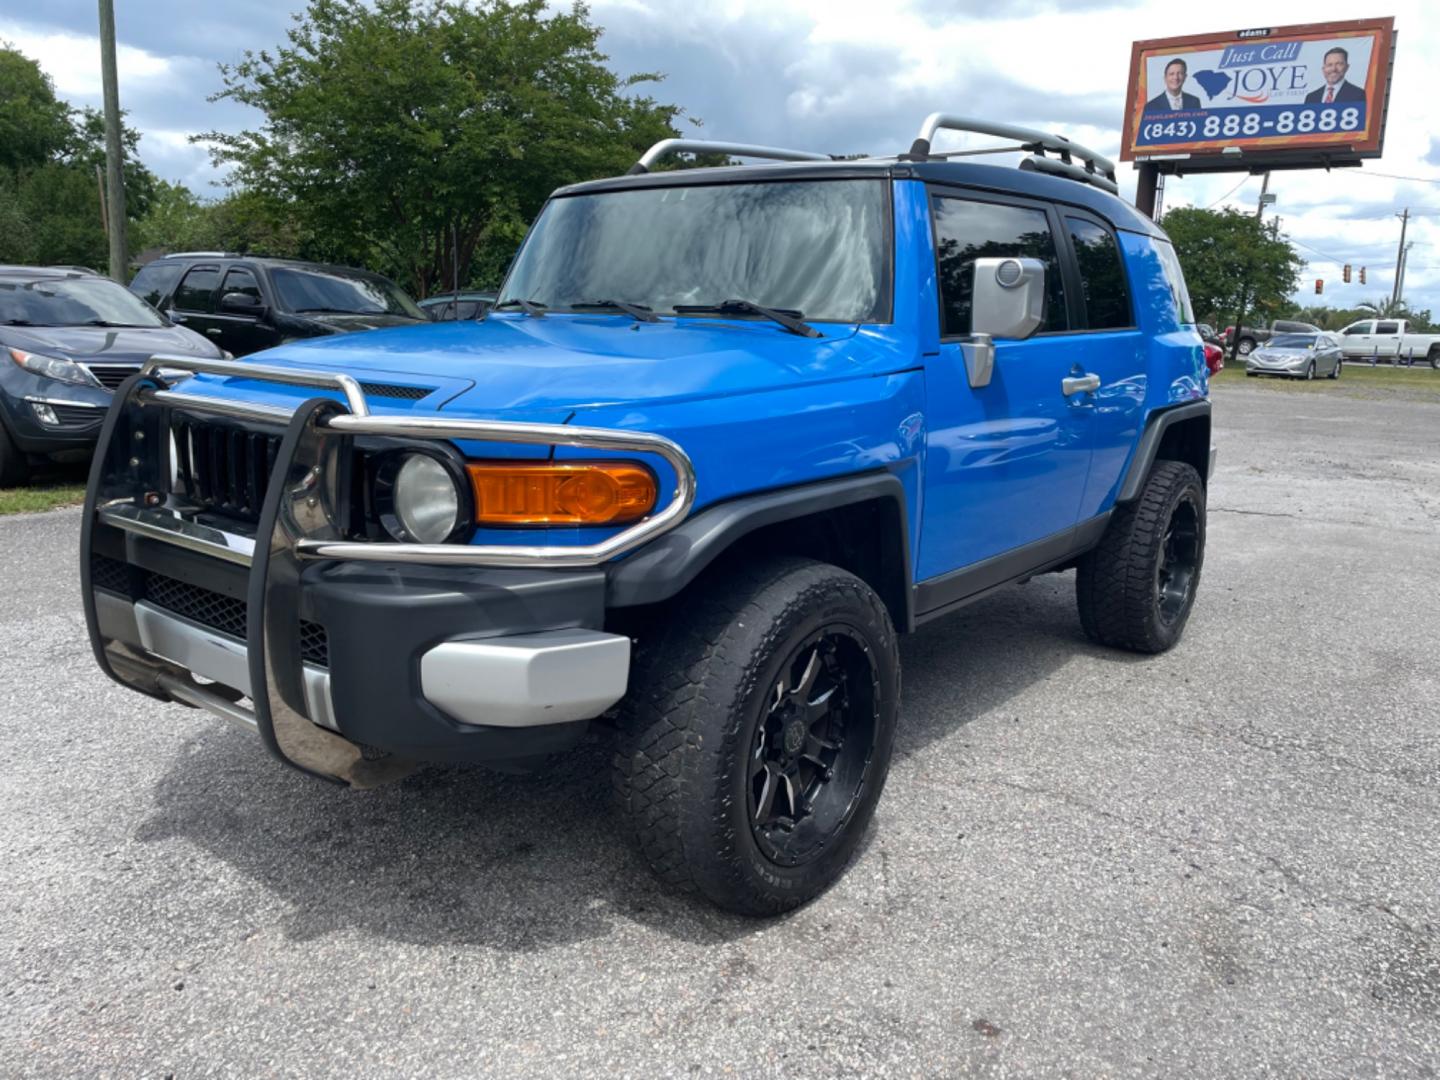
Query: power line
{"x": 1227, "y": 195}
{"x": 1390, "y": 176}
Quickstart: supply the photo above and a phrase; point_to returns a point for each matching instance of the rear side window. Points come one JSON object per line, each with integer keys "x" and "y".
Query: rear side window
{"x": 196, "y": 290}
{"x": 1387, "y": 328}
{"x": 242, "y": 281}
{"x": 1175, "y": 279}
{"x": 152, "y": 284}
{"x": 1102, "y": 277}
{"x": 966, "y": 231}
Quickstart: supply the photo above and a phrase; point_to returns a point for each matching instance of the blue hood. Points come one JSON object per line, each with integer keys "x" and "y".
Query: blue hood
{"x": 559, "y": 363}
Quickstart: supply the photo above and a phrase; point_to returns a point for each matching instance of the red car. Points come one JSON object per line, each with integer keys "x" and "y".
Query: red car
{"x": 1214, "y": 358}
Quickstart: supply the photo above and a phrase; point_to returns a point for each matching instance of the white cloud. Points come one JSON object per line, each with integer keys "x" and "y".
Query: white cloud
{"x": 73, "y": 60}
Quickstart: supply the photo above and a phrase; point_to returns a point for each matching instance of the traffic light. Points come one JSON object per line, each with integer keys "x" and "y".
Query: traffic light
{"x": 1362, "y": 275}
{"x": 1345, "y": 274}
{"x": 1319, "y": 286}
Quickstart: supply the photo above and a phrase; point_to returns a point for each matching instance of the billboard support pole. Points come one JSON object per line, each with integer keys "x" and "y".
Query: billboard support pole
{"x": 1145, "y": 188}
{"x": 1245, "y": 285}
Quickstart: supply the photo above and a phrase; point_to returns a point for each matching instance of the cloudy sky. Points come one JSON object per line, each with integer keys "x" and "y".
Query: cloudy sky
{"x": 847, "y": 76}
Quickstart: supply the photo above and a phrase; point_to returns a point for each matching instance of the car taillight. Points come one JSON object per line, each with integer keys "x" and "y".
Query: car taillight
{"x": 1214, "y": 358}
{"x": 552, "y": 493}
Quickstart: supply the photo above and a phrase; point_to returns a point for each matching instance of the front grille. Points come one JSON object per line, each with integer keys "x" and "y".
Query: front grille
{"x": 112, "y": 375}
{"x": 108, "y": 573}
{"x": 225, "y": 614}
{"x": 212, "y": 609}
{"x": 76, "y": 416}
{"x": 223, "y": 468}
{"x": 405, "y": 393}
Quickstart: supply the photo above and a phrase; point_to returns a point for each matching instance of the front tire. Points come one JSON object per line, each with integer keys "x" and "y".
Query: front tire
{"x": 1335, "y": 372}
{"x": 757, "y": 735}
{"x": 1246, "y": 346}
{"x": 14, "y": 467}
{"x": 1136, "y": 589}
{"x": 1310, "y": 372}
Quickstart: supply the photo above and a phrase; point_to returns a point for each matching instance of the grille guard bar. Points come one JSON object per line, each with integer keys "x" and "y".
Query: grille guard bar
{"x": 359, "y": 421}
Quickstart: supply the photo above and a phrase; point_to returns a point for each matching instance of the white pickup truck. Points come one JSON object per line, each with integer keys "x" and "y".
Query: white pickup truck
{"x": 1389, "y": 341}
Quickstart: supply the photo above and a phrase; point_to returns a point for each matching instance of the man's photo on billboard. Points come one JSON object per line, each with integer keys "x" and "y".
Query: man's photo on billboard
{"x": 1336, "y": 88}
{"x": 1173, "y": 98}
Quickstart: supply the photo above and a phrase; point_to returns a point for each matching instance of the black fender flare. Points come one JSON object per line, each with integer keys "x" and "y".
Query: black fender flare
{"x": 1156, "y": 424}
{"x": 665, "y": 566}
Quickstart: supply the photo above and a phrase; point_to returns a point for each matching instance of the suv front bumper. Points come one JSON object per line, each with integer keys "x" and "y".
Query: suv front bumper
{"x": 355, "y": 658}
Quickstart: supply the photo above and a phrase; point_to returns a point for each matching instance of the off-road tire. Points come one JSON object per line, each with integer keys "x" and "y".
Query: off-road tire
{"x": 14, "y": 468}
{"x": 1117, "y": 585}
{"x": 698, "y": 683}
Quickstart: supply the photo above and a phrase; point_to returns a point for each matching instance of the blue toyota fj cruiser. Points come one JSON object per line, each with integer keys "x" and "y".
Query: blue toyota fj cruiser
{"x": 727, "y": 433}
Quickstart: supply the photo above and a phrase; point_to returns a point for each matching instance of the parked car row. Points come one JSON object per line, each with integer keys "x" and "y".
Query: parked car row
{"x": 1298, "y": 356}
{"x": 68, "y": 337}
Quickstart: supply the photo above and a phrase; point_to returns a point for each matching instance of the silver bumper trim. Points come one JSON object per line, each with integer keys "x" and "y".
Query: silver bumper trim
{"x": 221, "y": 659}
{"x": 167, "y": 525}
{"x": 551, "y": 677}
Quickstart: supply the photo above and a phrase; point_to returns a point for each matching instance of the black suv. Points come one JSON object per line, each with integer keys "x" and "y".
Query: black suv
{"x": 244, "y": 303}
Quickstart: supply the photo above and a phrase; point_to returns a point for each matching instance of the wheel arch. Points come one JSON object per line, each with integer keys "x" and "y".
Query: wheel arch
{"x": 859, "y": 523}
{"x": 1178, "y": 433}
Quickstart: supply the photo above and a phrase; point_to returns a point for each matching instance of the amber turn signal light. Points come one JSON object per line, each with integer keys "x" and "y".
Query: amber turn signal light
{"x": 552, "y": 493}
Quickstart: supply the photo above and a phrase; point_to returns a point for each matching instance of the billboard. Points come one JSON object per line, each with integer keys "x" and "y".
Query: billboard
{"x": 1311, "y": 92}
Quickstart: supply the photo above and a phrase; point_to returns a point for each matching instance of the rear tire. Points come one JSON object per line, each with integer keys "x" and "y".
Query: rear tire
{"x": 1136, "y": 589}
{"x": 14, "y": 467}
{"x": 757, "y": 734}
{"x": 1435, "y": 357}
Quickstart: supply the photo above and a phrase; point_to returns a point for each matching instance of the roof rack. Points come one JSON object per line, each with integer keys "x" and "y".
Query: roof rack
{"x": 665, "y": 147}
{"x": 1094, "y": 169}
{"x": 201, "y": 255}
{"x": 1098, "y": 170}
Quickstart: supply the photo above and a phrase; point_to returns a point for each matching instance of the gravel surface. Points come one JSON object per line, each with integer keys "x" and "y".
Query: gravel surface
{"x": 1218, "y": 862}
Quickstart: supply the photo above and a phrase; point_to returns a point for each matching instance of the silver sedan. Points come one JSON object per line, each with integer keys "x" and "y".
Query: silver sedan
{"x": 1299, "y": 356}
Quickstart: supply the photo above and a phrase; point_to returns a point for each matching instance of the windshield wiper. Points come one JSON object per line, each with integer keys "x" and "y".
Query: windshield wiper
{"x": 117, "y": 325}
{"x": 333, "y": 311}
{"x": 640, "y": 312}
{"x": 17, "y": 322}
{"x": 789, "y": 318}
{"x": 532, "y": 308}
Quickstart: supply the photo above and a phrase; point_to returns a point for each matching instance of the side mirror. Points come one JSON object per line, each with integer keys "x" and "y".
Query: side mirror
{"x": 1007, "y": 301}
{"x": 239, "y": 303}
{"x": 1009, "y": 298}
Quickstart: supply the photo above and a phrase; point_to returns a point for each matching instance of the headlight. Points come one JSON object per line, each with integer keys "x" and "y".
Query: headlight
{"x": 424, "y": 500}
{"x": 53, "y": 367}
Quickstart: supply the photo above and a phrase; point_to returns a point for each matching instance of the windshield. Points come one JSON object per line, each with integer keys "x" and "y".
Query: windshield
{"x": 1293, "y": 341}
{"x": 77, "y": 301}
{"x": 319, "y": 291}
{"x": 816, "y": 247}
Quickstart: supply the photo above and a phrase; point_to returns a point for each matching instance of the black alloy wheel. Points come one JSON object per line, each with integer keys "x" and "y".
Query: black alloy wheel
{"x": 1178, "y": 567}
{"x": 812, "y": 747}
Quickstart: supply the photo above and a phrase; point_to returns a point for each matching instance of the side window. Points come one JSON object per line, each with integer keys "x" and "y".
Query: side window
{"x": 1102, "y": 277}
{"x": 242, "y": 281}
{"x": 966, "y": 231}
{"x": 1175, "y": 278}
{"x": 1387, "y": 328}
{"x": 152, "y": 283}
{"x": 196, "y": 290}
{"x": 1358, "y": 329}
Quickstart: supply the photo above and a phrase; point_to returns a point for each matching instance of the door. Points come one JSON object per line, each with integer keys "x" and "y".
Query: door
{"x": 1005, "y": 464}
{"x": 1387, "y": 339}
{"x": 193, "y": 303}
{"x": 244, "y": 333}
{"x": 1108, "y": 344}
{"x": 1356, "y": 339}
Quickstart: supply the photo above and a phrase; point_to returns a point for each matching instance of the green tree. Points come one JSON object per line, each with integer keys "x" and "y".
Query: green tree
{"x": 35, "y": 126}
{"x": 409, "y": 135}
{"x": 1233, "y": 261}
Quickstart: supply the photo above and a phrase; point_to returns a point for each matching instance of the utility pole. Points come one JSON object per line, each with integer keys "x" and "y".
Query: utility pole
{"x": 1400, "y": 276}
{"x": 1400, "y": 256}
{"x": 1245, "y": 287}
{"x": 114, "y": 159}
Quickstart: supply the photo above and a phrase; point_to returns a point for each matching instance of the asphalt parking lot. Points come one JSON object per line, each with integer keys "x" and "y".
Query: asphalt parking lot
{"x": 1219, "y": 862}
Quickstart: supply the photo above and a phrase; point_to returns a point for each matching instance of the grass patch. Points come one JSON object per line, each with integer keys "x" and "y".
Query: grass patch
{"x": 27, "y": 500}
{"x": 1356, "y": 380}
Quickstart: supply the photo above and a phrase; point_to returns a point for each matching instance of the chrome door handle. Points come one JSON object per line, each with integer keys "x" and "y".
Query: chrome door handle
{"x": 1081, "y": 384}
{"x": 214, "y": 331}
